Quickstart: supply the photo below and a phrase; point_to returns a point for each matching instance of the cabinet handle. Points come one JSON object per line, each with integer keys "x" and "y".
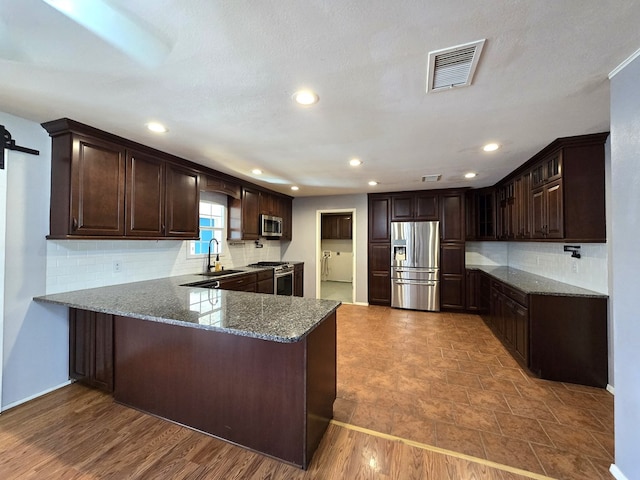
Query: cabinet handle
{"x": 74, "y": 224}
{"x": 164, "y": 229}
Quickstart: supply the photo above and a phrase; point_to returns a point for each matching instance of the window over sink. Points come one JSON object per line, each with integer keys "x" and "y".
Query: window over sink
{"x": 212, "y": 218}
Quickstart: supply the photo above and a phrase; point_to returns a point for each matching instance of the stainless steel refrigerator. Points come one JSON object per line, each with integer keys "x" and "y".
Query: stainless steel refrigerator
{"x": 415, "y": 265}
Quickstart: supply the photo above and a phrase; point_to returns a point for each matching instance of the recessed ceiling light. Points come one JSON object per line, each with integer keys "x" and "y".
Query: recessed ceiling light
{"x": 355, "y": 162}
{"x": 373, "y": 183}
{"x": 470, "y": 175}
{"x": 256, "y": 171}
{"x": 295, "y": 189}
{"x": 157, "y": 127}
{"x": 306, "y": 97}
{"x": 491, "y": 147}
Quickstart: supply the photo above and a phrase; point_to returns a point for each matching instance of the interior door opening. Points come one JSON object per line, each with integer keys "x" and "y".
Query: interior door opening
{"x": 336, "y": 255}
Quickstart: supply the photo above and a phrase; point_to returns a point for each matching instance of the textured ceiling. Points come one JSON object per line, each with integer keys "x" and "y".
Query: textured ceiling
{"x": 224, "y": 89}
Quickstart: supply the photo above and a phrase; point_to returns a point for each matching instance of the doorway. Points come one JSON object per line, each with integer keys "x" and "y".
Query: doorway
{"x": 336, "y": 255}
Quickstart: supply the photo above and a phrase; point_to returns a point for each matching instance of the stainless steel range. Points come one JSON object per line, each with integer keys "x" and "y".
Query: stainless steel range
{"x": 282, "y": 276}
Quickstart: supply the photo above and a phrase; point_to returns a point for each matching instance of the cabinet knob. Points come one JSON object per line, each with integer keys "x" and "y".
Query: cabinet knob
{"x": 74, "y": 224}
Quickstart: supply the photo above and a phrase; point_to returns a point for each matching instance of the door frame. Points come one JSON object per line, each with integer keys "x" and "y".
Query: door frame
{"x": 319, "y": 213}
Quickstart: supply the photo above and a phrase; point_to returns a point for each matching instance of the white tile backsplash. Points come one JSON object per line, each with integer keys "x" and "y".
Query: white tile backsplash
{"x": 74, "y": 265}
{"x": 547, "y": 260}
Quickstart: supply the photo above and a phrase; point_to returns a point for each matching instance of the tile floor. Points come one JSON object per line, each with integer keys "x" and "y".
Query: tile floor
{"x": 340, "y": 291}
{"x": 443, "y": 379}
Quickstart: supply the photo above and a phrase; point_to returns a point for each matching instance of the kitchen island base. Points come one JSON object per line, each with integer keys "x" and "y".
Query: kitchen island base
{"x": 272, "y": 397}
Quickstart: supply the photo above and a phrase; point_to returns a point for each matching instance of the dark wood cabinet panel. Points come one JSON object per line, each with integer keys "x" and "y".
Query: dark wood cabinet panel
{"x": 473, "y": 290}
{"x": 243, "y": 216}
{"x": 379, "y": 218}
{"x": 226, "y": 186}
{"x": 547, "y": 211}
{"x": 379, "y": 274}
{"x": 103, "y": 186}
{"x": 298, "y": 280}
{"x": 554, "y": 210}
{"x": 556, "y": 337}
{"x": 183, "y": 202}
{"x": 402, "y": 208}
{"x": 240, "y": 283}
{"x": 426, "y": 206}
{"x": 452, "y": 258}
{"x": 521, "y": 333}
{"x": 452, "y": 219}
{"x": 336, "y": 226}
{"x": 145, "y": 195}
{"x": 97, "y": 188}
{"x": 452, "y": 291}
{"x": 414, "y": 206}
{"x": 559, "y": 194}
{"x": 522, "y": 187}
{"x": 91, "y": 348}
{"x": 568, "y": 339}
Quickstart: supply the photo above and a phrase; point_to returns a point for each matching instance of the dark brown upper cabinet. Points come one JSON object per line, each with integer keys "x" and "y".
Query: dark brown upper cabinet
{"x": 414, "y": 206}
{"x": 243, "y": 216}
{"x": 183, "y": 202}
{"x": 87, "y": 187}
{"x": 379, "y": 218}
{"x": 336, "y": 226}
{"x": 104, "y": 186}
{"x": 219, "y": 184}
{"x": 452, "y": 221}
{"x": 145, "y": 194}
{"x": 557, "y": 195}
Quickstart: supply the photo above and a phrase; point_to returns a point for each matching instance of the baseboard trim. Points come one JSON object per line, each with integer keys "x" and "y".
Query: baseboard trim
{"x": 610, "y": 389}
{"x": 362, "y": 304}
{"x": 615, "y": 471}
{"x": 33, "y": 397}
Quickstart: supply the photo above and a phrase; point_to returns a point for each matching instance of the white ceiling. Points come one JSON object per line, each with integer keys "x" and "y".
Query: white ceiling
{"x": 224, "y": 88}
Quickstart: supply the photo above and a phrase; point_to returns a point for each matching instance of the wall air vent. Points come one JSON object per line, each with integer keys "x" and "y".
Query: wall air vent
{"x": 453, "y": 67}
{"x": 431, "y": 178}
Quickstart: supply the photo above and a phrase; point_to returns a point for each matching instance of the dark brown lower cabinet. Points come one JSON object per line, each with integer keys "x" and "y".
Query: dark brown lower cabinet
{"x": 264, "y": 281}
{"x": 380, "y": 274}
{"x": 298, "y": 280}
{"x": 91, "y": 348}
{"x": 556, "y": 337}
{"x": 452, "y": 276}
{"x": 271, "y": 397}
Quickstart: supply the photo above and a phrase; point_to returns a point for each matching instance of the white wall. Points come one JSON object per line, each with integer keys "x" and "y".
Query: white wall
{"x": 305, "y": 238}
{"x": 78, "y": 264}
{"x": 35, "y": 356}
{"x": 625, "y": 230}
{"x": 547, "y": 260}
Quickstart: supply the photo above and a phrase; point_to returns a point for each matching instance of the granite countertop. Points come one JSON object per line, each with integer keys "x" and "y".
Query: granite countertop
{"x": 534, "y": 284}
{"x": 275, "y": 318}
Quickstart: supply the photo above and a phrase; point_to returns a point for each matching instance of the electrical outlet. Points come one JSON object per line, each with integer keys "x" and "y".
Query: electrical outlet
{"x": 117, "y": 266}
{"x": 574, "y": 267}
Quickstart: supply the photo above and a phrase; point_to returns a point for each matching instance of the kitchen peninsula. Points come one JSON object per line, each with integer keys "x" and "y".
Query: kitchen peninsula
{"x": 254, "y": 369}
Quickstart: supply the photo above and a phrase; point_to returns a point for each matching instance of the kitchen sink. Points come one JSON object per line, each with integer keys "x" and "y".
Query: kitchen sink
{"x": 221, "y": 272}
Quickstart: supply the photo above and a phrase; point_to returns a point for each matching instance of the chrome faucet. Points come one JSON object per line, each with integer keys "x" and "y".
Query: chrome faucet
{"x": 209, "y": 256}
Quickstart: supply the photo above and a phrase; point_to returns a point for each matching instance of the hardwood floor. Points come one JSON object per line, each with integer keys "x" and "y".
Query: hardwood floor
{"x": 78, "y": 433}
{"x": 412, "y": 387}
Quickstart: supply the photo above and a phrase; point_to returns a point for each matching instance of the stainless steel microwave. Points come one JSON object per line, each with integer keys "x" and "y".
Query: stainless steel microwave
{"x": 270, "y": 226}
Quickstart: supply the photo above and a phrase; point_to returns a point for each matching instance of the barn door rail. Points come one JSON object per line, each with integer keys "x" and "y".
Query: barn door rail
{"x": 10, "y": 144}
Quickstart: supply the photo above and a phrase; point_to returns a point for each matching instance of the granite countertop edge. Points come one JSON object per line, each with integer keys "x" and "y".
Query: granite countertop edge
{"x": 533, "y": 284}
{"x": 281, "y": 319}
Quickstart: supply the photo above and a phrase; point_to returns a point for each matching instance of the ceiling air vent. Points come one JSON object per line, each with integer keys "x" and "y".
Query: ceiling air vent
{"x": 431, "y": 178}
{"x": 453, "y": 67}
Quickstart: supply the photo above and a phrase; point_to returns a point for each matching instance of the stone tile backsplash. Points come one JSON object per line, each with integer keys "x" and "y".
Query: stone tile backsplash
{"x": 547, "y": 260}
{"x": 75, "y": 265}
